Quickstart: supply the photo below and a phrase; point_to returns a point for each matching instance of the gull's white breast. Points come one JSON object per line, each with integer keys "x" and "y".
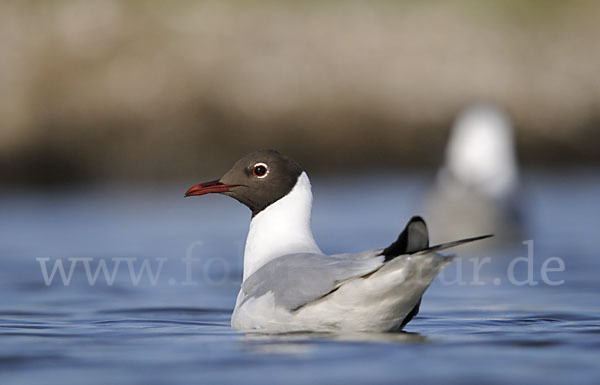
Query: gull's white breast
{"x": 281, "y": 228}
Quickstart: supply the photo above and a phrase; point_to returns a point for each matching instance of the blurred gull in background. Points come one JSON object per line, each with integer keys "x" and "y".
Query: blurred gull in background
{"x": 477, "y": 188}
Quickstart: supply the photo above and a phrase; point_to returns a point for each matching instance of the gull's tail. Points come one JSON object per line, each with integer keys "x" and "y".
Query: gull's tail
{"x": 414, "y": 239}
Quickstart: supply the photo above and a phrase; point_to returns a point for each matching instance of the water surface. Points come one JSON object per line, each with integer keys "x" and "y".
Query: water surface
{"x": 169, "y": 331}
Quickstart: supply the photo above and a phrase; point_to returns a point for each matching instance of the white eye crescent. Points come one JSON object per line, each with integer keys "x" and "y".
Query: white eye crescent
{"x": 260, "y": 170}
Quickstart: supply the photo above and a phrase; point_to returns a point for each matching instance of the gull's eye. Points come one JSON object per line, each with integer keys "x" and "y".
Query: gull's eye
{"x": 260, "y": 170}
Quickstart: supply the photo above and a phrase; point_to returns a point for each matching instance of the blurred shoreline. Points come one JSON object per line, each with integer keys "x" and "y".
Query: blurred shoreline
{"x": 100, "y": 91}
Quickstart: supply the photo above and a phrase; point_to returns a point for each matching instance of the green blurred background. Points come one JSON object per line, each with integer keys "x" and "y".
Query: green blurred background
{"x": 96, "y": 91}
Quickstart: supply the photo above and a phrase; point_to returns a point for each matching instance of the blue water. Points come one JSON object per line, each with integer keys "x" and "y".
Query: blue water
{"x": 171, "y": 332}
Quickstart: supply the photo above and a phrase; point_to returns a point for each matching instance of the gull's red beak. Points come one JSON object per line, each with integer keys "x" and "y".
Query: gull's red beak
{"x": 214, "y": 186}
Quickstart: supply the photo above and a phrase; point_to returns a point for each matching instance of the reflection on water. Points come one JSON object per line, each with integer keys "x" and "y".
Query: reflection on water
{"x": 175, "y": 332}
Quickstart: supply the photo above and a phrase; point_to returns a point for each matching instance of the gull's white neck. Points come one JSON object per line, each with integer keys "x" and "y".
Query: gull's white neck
{"x": 281, "y": 228}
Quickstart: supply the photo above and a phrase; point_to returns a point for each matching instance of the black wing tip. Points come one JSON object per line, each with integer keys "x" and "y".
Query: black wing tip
{"x": 448, "y": 245}
{"x": 416, "y": 218}
{"x": 479, "y": 237}
{"x": 413, "y": 238}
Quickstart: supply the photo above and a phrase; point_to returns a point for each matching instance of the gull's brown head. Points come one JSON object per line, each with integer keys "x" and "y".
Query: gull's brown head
{"x": 256, "y": 180}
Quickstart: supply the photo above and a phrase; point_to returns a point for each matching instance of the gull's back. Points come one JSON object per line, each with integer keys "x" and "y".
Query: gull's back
{"x": 370, "y": 291}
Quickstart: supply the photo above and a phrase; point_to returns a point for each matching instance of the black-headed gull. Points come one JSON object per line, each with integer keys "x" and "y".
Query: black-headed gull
{"x": 290, "y": 285}
{"x": 477, "y": 188}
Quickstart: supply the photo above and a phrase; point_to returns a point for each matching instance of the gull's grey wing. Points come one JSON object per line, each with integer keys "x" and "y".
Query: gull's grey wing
{"x": 297, "y": 279}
